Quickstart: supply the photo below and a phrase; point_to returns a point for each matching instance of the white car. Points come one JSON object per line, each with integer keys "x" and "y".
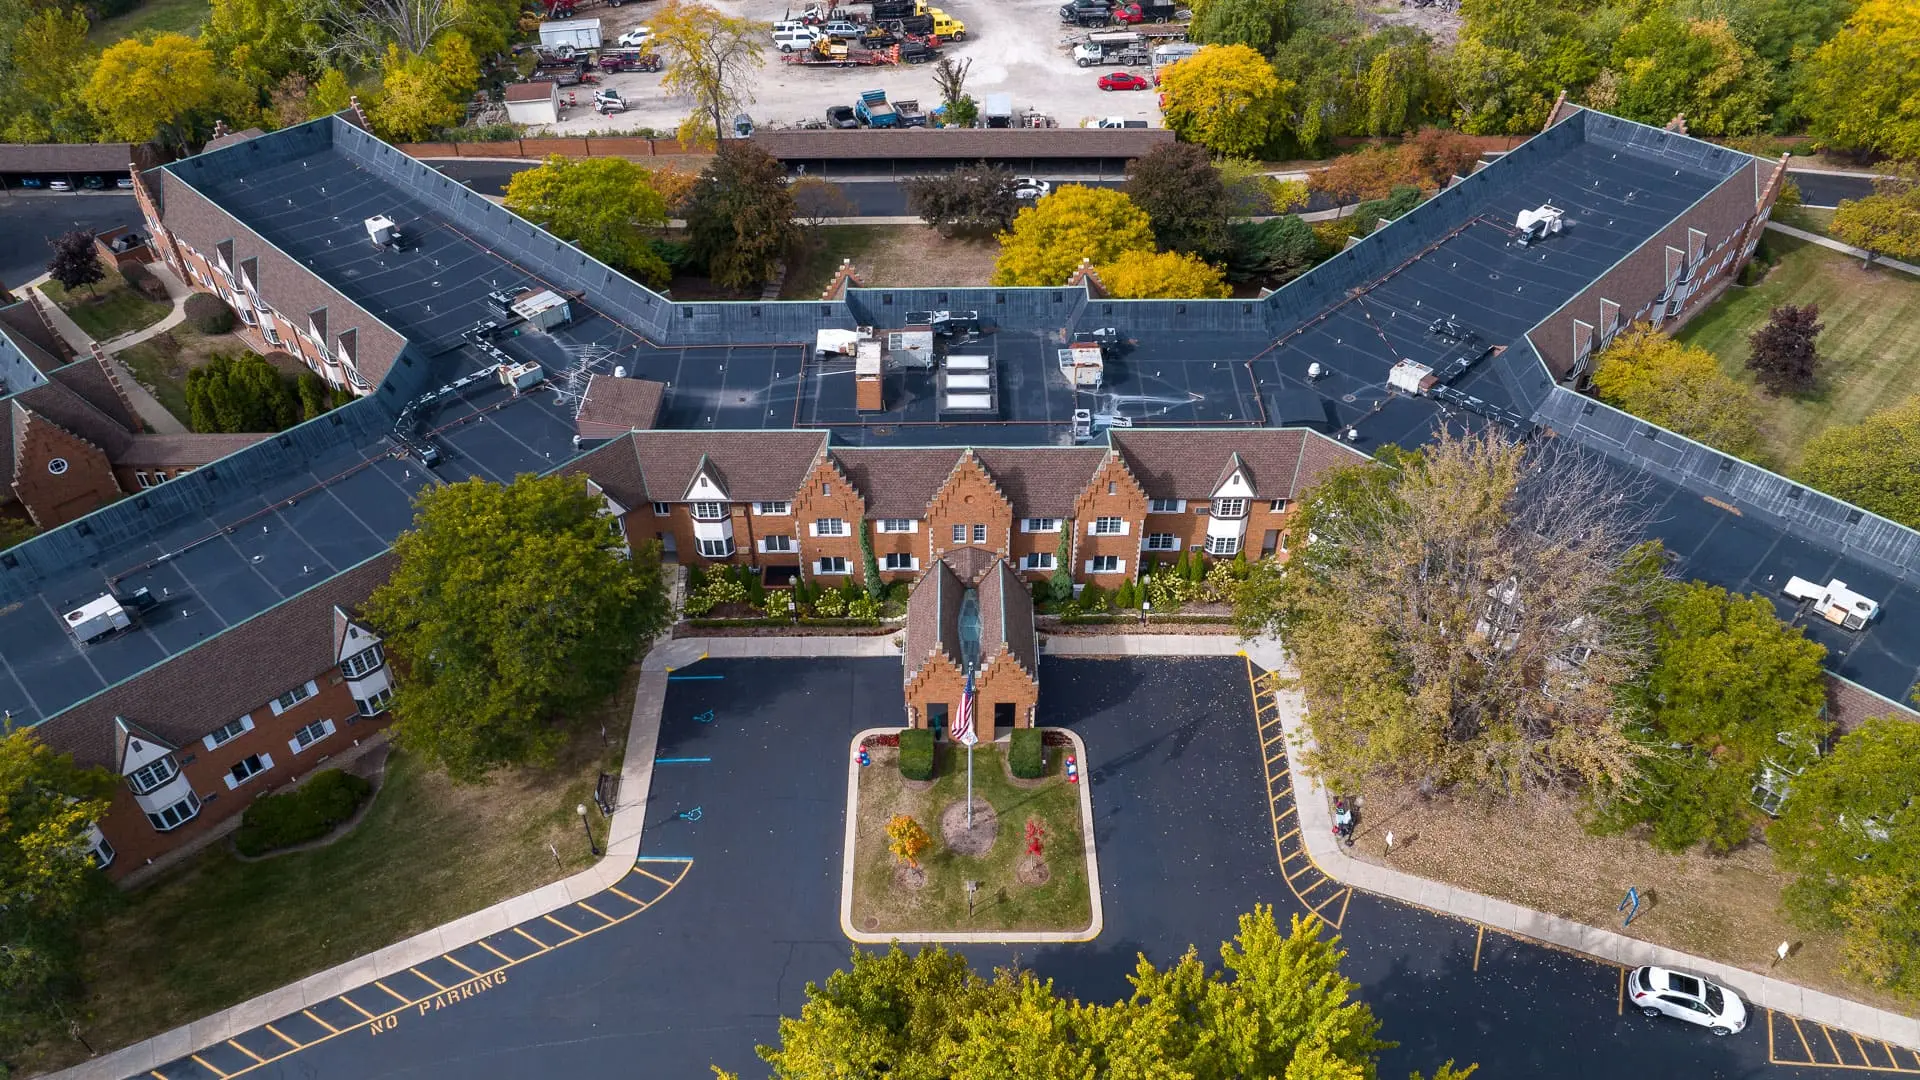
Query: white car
{"x": 1026, "y": 187}
{"x": 1662, "y": 991}
{"x": 636, "y": 37}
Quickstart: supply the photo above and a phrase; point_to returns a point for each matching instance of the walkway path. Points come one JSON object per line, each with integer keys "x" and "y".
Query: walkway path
{"x": 1845, "y": 249}
{"x": 623, "y": 847}
{"x": 152, "y": 413}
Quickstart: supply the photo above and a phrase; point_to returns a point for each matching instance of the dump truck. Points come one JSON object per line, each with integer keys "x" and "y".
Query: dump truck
{"x": 873, "y": 110}
{"x": 908, "y": 110}
{"x": 1117, "y": 47}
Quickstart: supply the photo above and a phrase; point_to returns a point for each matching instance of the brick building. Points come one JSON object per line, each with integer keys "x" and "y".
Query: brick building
{"x": 971, "y": 613}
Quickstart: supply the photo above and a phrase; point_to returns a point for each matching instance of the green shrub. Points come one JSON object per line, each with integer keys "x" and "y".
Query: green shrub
{"x": 208, "y": 313}
{"x": 901, "y": 591}
{"x": 308, "y": 812}
{"x": 916, "y": 754}
{"x": 1024, "y": 755}
{"x": 143, "y": 282}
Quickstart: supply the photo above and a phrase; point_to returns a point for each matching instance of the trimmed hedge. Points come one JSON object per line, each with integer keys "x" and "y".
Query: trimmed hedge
{"x": 208, "y": 313}
{"x": 1024, "y": 757}
{"x": 308, "y": 812}
{"x": 143, "y": 282}
{"x": 916, "y": 753}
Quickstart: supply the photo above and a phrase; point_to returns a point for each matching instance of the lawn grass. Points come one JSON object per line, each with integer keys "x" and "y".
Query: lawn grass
{"x": 158, "y": 16}
{"x": 811, "y": 265}
{"x": 216, "y": 931}
{"x": 107, "y": 308}
{"x": 1867, "y": 350}
{"x": 1001, "y": 903}
{"x": 890, "y": 256}
{"x": 161, "y": 362}
{"x": 1813, "y": 219}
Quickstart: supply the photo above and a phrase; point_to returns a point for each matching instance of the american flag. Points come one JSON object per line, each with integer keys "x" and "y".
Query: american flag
{"x": 962, "y": 725}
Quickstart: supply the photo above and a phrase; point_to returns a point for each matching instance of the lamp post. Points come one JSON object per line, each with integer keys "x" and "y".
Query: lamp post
{"x": 581, "y": 809}
{"x": 793, "y": 612}
{"x": 1146, "y": 609}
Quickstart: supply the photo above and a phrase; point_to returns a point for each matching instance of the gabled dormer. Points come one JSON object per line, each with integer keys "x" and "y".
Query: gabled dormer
{"x": 223, "y": 258}
{"x": 1227, "y": 515}
{"x": 363, "y": 661}
{"x": 1233, "y": 482}
{"x": 707, "y": 485}
{"x": 317, "y": 328}
{"x": 250, "y": 274}
{"x": 152, "y": 772}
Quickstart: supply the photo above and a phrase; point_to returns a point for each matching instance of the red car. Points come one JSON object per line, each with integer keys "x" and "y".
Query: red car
{"x": 1122, "y": 80}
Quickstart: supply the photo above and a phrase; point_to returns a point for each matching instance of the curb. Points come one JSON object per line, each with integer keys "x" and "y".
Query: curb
{"x": 1316, "y": 827}
{"x": 985, "y": 937}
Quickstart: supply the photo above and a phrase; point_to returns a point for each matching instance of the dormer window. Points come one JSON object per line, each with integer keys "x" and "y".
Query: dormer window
{"x": 1229, "y": 508}
{"x": 153, "y": 774}
{"x": 709, "y": 511}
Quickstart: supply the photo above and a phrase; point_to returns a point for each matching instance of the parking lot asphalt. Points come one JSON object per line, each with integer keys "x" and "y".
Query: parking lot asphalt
{"x": 734, "y": 909}
{"x": 29, "y": 220}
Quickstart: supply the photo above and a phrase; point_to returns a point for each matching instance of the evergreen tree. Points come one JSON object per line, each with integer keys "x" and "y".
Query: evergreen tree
{"x": 870, "y": 566}
{"x": 1061, "y": 585}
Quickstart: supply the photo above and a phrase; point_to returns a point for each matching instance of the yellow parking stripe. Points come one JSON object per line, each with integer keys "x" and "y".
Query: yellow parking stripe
{"x": 428, "y": 981}
{"x": 616, "y": 891}
{"x": 283, "y": 1036}
{"x": 204, "y": 1064}
{"x": 449, "y": 959}
{"x": 356, "y": 1008}
{"x": 396, "y": 994}
{"x": 496, "y": 952}
{"x": 530, "y": 937}
{"x": 1804, "y": 1044}
{"x": 654, "y": 876}
{"x": 590, "y": 907}
{"x": 561, "y": 925}
{"x": 247, "y": 1052}
{"x": 330, "y": 1028}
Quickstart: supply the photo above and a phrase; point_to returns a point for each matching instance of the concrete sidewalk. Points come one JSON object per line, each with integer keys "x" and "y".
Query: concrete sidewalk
{"x": 1845, "y": 249}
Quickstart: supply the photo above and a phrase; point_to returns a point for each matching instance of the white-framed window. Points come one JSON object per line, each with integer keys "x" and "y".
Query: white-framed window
{"x": 1166, "y": 506}
{"x": 709, "y": 511}
{"x": 1199, "y": 508}
{"x": 247, "y": 768}
{"x": 1229, "y": 508}
{"x": 1105, "y": 564}
{"x": 1277, "y": 506}
{"x": 1037, "y": 560}
{"x": 228, "y": 732}
{"x": 830, "y": 527}
{"x": 661, "y": 509}
{"x": 1107, "y": 526}
{"x": 160, "y": 475}
{"x": 830, "y": 564}
{"x": 826, "y": 488}
{"x": 1040, "y": 525}
{"x": 772, "y": 509}
{"x": 979, "y": 534}
{"x": 151, "y": 775}
{"x": 368, "y": 659}
{"x": 899, "y": 525}
{"x": 178, "y": 814}
{"x": 273, "y": 336}
{"x": 959, "y": 534}
{"x": 294, "y": 697}
{"x": 1162, "y": 542}
{"x": 309, "y": 735}
{"x": 101, "y": 853}
{"x": 246, "y": 314}
{"x": 376, "y": 704}
{"x": 779, "y": 543}
{"x": 140, "y": 477}
{"x": 716, "y": 549}
{"x": 899, "y": 560}
{"x": 1223, "y": 545}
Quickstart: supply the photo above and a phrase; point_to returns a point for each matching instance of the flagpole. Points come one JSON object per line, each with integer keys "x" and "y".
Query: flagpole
{"x": 969, "y": 787}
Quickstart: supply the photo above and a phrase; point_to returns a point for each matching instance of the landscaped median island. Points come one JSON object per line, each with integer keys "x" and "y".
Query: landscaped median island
{"x": 910, "y": 854}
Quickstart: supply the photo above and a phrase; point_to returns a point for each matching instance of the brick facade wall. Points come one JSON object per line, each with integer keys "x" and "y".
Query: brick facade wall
{"x": 84, "y": 483}
{"x": 1001, "y": 682}
{"x": 1113, "y": 492}
{"x": 827, "y": 493}
{"x": 969, "y": 499}
{"x": 134, "y": 838}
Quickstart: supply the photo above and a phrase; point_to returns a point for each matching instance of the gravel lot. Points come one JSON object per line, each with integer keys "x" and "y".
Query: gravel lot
{"x": 1015, "y": 47}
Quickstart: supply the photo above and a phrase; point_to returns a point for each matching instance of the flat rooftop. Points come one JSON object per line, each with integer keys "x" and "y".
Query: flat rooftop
{"x": 294, "y": 519}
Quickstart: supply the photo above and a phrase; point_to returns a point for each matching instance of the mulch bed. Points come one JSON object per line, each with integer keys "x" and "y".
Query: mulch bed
{"x": 961, "y": 840}
{"x": 784, "y": 631}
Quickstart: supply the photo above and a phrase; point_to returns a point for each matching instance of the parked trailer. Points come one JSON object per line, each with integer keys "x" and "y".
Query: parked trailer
{"x": 572, "y": 35}
{"x": 908, "y": 110}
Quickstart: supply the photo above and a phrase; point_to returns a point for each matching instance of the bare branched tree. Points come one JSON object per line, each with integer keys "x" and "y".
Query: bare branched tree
{"x": 357, "y": 32}
{"x": 818, "y": 201}
{"x": 1466, "y": 620}
{"x": 950, "y": 76}
{"x": 712, "y": 58}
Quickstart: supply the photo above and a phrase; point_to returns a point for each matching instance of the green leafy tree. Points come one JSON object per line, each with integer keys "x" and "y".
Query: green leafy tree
{"x": 47, "y": 804}
{"x": 37, "y": 98}
{"x": 1874, "y": 464}
{"x": 1260, "y": 25}
{"x": 1496, "y": 91}
{"x": 870, "y": 566}
{"x": 1373, "y": 211}
{"x": 1276, "y": 250}
{"x": 1185, "y": 199}
{"x": 1729, "y": 681}
{"x": 977, "y": 201}
{"x": 1060, "y": 585}
{"x": 1861, "y": 86}
{"x": 262, "y": 41}
{"x": 154, "y": 89}
{"x": 607, "y": 205}
{"x": 420, "y": 93}
{"x": 331, "y": 93}
{"x": 1225, "y": 98}
{"x": 740, "y": 215}
{"x": 712, "y": 58}
{"x": 1680, "y": 387}
{"x": 1849, "y": 833}
{"x": 316, "y": 396}
{"x": 1884, "y": 223}
{"x": 511, "y": 610}
{"x": 1049, "y": 238}
{"x": 1670, "y": 66}
{"x": 240, "y": 393}
{"x": 1278, "y": 1006}
{"x": 1465, "y": 620}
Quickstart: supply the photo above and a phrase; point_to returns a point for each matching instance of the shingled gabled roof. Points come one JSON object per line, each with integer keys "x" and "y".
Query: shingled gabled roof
{"x": 759, "y": 466}
{"x": 1042, "y": 481}
{"x": 897, "y": 483}
{"x": 1006, "y": 619}
{"x": 616, "y": 468}
{"x": 933, "y": 619}
{"x": 1192, "y": 463}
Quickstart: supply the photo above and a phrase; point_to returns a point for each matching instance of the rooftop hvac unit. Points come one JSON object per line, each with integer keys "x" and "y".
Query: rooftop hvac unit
{"x": 1082, "y": 425}
{"x": 521, "y": 376}
{"x": 1083, "y": 365}
{"x": 97, "y": 618}
{"x": 1835, "y": 602}
{"x": 543, "y": 310}
{"x": 1538, "y": 223}
{"x": 835, "y": 342}
{"x": 383, "y": 232}
{"x": 911, "y": 346}
{"x": 1411, "y": 377}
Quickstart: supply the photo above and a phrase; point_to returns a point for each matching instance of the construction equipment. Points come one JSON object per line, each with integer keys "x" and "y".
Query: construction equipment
{"x": 908, "y": 110}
